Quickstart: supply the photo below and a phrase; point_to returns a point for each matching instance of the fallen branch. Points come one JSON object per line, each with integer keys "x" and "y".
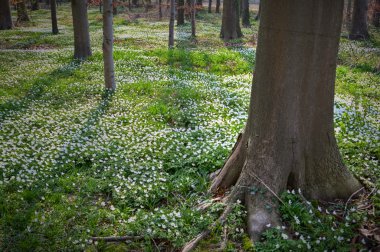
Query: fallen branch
{"x": 116, "y": 238}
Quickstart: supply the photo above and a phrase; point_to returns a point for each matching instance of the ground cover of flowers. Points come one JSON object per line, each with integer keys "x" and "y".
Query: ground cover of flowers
{"x": 77, "y": 161}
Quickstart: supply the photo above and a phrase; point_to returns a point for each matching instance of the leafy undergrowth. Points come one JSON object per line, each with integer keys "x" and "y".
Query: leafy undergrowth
{"x": 77, "y": 161}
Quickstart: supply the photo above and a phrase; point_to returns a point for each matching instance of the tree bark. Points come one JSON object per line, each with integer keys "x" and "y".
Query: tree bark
{"x": 376, "y": 14}
{"x": 22, "y": 14}
{"x": 53, "y": 11}
{"x": 245, "y": 14}
{"x": 181, "y": 12}
{"x": 171, "y": 24}
{"x": 209, "y": 6}
{"x": 289, "y": 141}
{"x": 359, "y": 27}
{"x": 159, "y": 9}
{"x": 82, "y": 49}
{"x": 5, "y": 15}
{"x": 109, "y": 73}
{"x": 230, "y": 20}
{"x": 217, "y": 7}
{"x": 193, "y": 12}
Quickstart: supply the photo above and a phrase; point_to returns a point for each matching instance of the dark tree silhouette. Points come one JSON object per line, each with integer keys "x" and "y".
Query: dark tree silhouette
{"x": 5, "y": 15}
{"x": 82, "y": 48}
{"x": 359, "y": 26}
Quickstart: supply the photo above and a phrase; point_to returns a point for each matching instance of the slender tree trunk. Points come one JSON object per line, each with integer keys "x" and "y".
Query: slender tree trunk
{"x": 217, "y": 7}
{"x": 159, "y": 9}
{"x": 171, "y": 24}
{"x": 209, "y": 6}
{"x": 53, "y": 11}
{"x": 257, "y": 17}
{"x": 359, "y": 27}
{"x": 348, "y": 12}
{"x": 376, "y": 14}
{"x": 22, "y": 14}
{"x": 100, "y": 6}
{"x": 82, "y": 49}
{"x": 181, "y": 12}
{"x": 35, "y": 5}
{"x": 193, "y": 12}
{"x": 109, "y": 74}
{"x": 289, "y": 139}
{"x": 230, "y": 20}
{"x": 245, "y": 14}
{"x": 5, "y": 15}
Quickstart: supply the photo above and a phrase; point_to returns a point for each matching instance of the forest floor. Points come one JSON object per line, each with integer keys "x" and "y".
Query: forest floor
{"x": 78, "y": 162}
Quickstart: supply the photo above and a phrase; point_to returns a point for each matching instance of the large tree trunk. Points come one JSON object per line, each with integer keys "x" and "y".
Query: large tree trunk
{"x": 376, "y": 14}
{"x": 217, "y": 7}
{"x": 5, "y": 15}
{"x": 82, "y": 49}
{"x": 181, "y": 12}
{"x": 230, "y": 20}
{"x": 245, "y": 14}
{"x": 192, "y": 13}
{"x": 171, "y": 24}
{"x": 22, "y": 14}
{"x": 289, "y": 139}
{"x": 359, "y": 29}
{"x": 53, "y": 10}
{"x": 109, "y": 74}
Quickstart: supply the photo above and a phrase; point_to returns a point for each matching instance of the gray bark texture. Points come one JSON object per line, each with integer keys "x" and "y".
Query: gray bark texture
{"x": 82, "y": 49}
{"x": 359, "y": 27}
{"x": 53, "y": 11}
{"x": 230, "y": 20}
{"x": 5, "y": 15}
{"x": 171, "y": 24}
{"x": 109, "y": 72}
{"x": 289, "y": 141}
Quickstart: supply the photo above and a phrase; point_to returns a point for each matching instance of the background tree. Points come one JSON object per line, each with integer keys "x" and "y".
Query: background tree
{"x": 109, "y": 73}
{"x": 230, "y": 20}
{"x": 35, "y": 5}
{"x": 171, "y": 24}
{"x": 289, "y": 140}
{"x": 192, "y": 13}
{"x": 257, "y": 17}
{"x": 376, "y": 13}
{"x": 359, "y": 27}
{"x": 5, "y": 15}
{"x": 82, "y": 49}
{"x": 209, "y": 6}
{"x": 22, "y": 14}
{"x": 217, "y": 7}
{"x": 181, "y": 12}
{"x": 160, "y": 9}
{"x": 245, "y": 13}
{"x": 53, "y": 11}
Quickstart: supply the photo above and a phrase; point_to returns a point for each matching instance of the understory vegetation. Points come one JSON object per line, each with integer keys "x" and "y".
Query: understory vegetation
{"x": 77, "y": 161}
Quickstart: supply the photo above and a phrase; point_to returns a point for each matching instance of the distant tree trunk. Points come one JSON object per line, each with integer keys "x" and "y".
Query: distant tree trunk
{"x": 359, "y": 29}
{"x": 159, "y": 9}
{"x": 209, "y": 6}
{"x": 348, "y": 12}
{"x": 5, "y": 15}
{"x": 181, "y": 12}
{"x": 230, "y": 20}
{"x": 22, "y": 14}
{"x": 193, "y": 10}
{"x": 35, "y": 5}
{"x": 217, "y": 7}
{"x": 53, "y": 11}
{"x": 245, "y": 14}
{"x": 376, "y": 14}
{"x": 257, "y": 17}
{"x": 100, "y": 6}
{"x": 109, "y": 74}
{"x": 171, "y": 24}
{"x": 199, "y": 3}
{"x": 82, "y": 49}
